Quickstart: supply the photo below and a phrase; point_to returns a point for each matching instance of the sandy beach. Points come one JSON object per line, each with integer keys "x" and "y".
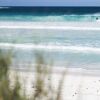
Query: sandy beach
{"x": 79, "y": 84}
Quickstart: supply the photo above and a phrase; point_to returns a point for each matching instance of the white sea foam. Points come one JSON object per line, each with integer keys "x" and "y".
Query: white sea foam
{"x": 50, "y": 27}
{"x": 4, "y": 7}
{"x": 74, "y": 49}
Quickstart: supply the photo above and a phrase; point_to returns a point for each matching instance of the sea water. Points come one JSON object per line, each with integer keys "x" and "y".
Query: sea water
{"x": 61, "y": 44}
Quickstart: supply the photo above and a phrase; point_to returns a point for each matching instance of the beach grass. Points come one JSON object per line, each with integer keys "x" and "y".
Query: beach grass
{"x": 43, "y": 88}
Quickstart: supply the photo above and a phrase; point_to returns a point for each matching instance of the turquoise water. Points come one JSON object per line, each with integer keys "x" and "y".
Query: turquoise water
{"x": 45, "y": 14}
{"x": 52, "y": 18}
{"x": 73, "y": 48}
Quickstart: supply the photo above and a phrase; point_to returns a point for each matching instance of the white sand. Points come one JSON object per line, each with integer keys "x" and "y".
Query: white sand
{"x": 79, "y": 84}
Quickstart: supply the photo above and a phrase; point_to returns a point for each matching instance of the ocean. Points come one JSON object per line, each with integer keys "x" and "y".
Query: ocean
{"x": 65, "y": 36}
{"x": 45, "y": 14}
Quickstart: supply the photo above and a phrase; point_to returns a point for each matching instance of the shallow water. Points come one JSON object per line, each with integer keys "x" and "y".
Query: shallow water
{"x": 72, "y": 47}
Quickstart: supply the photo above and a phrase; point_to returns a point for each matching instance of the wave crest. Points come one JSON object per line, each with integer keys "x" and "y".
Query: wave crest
{"x": 73, "y": 49}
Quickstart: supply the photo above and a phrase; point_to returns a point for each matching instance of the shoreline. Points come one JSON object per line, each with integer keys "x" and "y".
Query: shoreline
{"x": 60, "y": 70}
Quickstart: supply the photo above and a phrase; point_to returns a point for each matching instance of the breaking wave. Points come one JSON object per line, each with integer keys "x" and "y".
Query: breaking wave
{"x": 73, "y": 49}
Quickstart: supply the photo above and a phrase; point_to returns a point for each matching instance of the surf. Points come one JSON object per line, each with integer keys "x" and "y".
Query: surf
{"x": 51, "y": 27}
{"x": 73, "y": 49}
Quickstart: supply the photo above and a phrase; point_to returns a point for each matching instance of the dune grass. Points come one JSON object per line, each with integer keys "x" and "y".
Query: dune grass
{"x": 42, "y": 84}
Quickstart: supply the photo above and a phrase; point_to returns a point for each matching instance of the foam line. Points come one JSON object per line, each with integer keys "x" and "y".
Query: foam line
{"x": 50, "y": 27}
{"x": 74, "y": 49}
